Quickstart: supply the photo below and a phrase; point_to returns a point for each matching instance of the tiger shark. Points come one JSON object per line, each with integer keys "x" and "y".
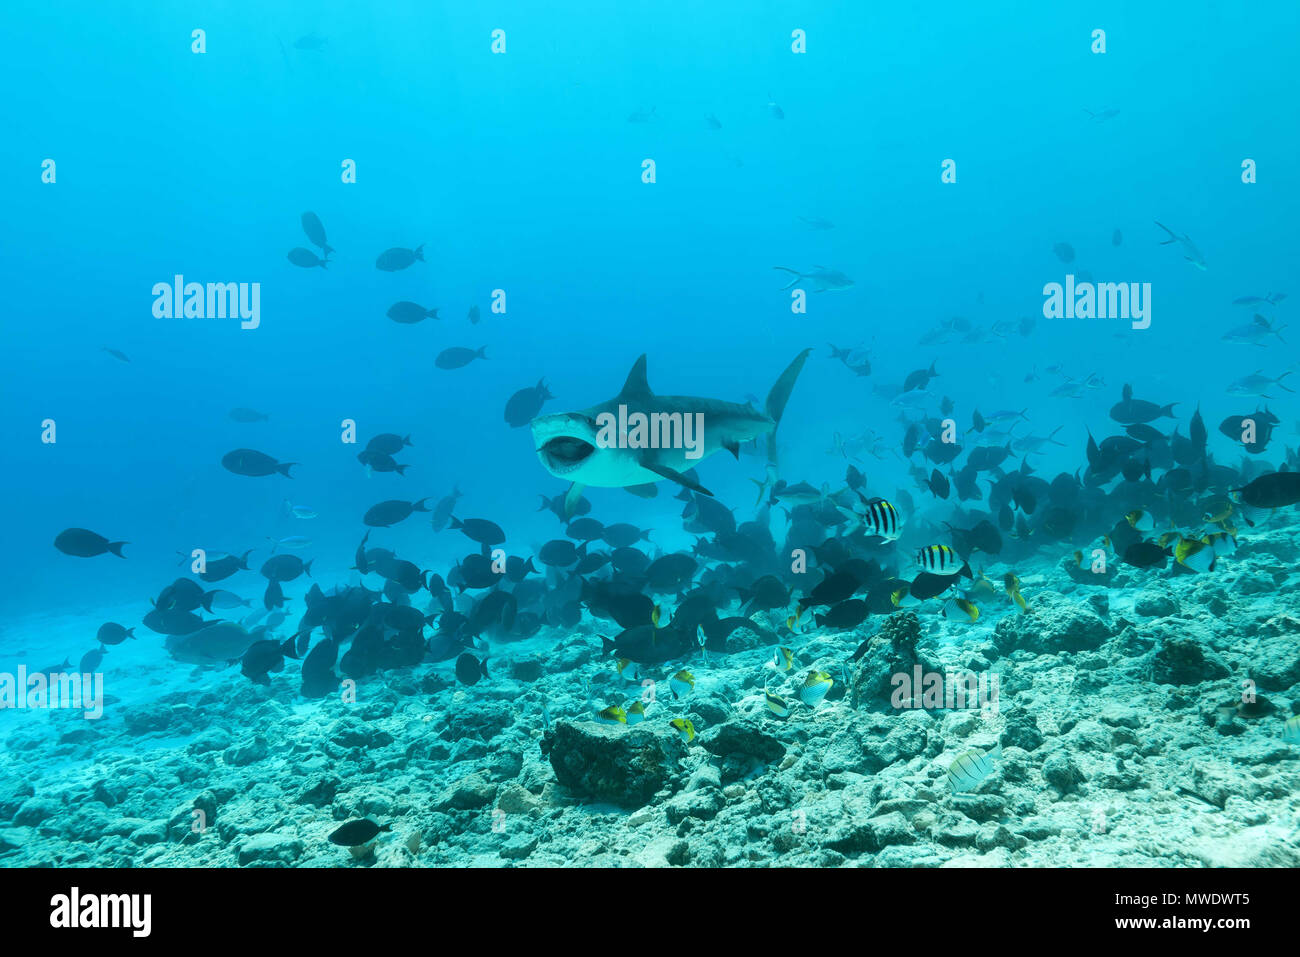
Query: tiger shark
{"x": 638, "y": 437}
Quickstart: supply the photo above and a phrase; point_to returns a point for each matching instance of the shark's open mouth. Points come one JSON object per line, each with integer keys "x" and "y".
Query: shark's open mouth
{"x": 566, "y": 452}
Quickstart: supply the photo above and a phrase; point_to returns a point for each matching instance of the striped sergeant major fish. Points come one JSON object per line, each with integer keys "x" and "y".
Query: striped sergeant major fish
{"x": 941, "y": 560}
{"x": 879, "y": 518}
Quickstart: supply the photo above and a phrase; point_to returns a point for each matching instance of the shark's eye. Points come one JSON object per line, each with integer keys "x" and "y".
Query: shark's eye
{"x": 567, "y": 450}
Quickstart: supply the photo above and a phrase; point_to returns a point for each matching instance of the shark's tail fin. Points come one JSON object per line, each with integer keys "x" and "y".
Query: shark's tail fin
{"x": 780, "y": 395}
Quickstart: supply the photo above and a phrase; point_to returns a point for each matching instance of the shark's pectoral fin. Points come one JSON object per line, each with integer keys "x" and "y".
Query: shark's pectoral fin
{"x": 675, "y": 476}
{"x": 733, "y": 448}
{"x": 571, "y": 498}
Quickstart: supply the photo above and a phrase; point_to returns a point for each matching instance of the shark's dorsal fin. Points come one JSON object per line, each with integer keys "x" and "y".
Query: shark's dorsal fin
{"x": 636, "y": 384}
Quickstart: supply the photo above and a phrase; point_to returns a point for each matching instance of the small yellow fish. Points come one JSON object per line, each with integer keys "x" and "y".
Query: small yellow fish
{"x": 815, "y": 688}
{"x": 903, "y": 598}
{"x": 1140, "y": 520}
{"x": 612, "y": 715}
{"x": 1195, "y": 554}
{"x": 1012, "y": 584}
{"x": 1225, "y": 543}
{"x": 655, "y": 615}
{"x": 982, "y": 589}
{"x": 777, "y": 705}
{"x": 685, "y": 728}
{"x": 635, "y": 713}
{"x": 628, "y": 669}
{"x": 1219, "y": 512}
{"x": 1291, "y": 730}
{"x": 682, "y": 683}
{"x": 955, "y": 605}
{"x": 782, "y": 659}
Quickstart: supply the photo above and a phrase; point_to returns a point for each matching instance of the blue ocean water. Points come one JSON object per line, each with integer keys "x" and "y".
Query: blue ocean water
{"x": 936, "y": 158}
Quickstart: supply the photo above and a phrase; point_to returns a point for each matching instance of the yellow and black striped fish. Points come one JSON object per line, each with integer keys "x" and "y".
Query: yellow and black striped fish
{"x": 940, "y": 560}
{"x": 881, "y": 519}
{"x": 777, "y": 705}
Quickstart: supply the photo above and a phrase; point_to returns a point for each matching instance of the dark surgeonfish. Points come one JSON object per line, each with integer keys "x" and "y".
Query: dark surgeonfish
{"x": 116, "y": 354}
{"x": 408, "y": 313}
{"x": 919, "y": 379}
{"x": 318, "y": 676}
{"x": 285, "y": 568}
{"x": 91, "y": 660}
{"x": 847, "y": 614}
{"x": 561, "y": 553}
{"x": 523, "y": 406}
{"x": 184, "y": 594}
{"x": 1262, "y": 423}
{"x": 469, "y": 669}
{"x": 264, "y": 657}
{"x": 388, "y": 443}
{"x": 356, "y": 833}
{"x": 1146, "y": 555}
{"x": 173, "y": 621}
{"x": 221, "y": 568}
{"x": 457, "y": 357}
{"x": 391, "y": 512}
{"x": 938, "y": 484}
{"x": 407, "y": 574}
{"x": 311, "y": 225}
{"x": 381, "y": 462}
{"x": 1274, "y": 490}
{"x": 1133, "y": 411}
{"x": 254, "y": 464}
{"x": 648, "y": 645}
{"x": 248, "y": 415}
{"x": 83, "y": 543}
{"x": 479, "y": 530}
{"x": 111, "y": 633}
{"x": 398, "y": 258}
{"x": 621, "y": 534}
{"x": 306, "y": 258}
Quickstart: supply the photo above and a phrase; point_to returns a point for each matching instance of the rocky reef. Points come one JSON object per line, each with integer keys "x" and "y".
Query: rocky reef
{"x": 1137, "y": 722}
